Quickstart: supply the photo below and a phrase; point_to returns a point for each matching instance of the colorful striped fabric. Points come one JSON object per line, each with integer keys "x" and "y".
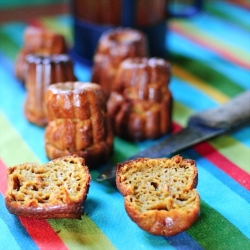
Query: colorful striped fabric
{"x": 210, "y": 57}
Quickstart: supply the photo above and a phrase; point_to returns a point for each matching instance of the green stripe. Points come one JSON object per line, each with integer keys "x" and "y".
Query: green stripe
{"x": 181, "y": 113}
{"x": 213, "y": 78}
{"x": 56, "y": 25}
{"x": 224, "y": 15}
{"x": 21, "y": 3}
{"x": 233, "y": 150}
{"x": 123, "y": 150}
{"x": 8, "y": 46}
{"x": 213, "y": 231}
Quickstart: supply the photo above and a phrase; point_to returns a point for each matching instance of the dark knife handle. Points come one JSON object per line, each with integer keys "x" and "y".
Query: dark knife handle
{"x": 227, "y": 116}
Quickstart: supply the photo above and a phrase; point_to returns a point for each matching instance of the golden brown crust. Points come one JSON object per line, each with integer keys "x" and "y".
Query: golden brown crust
{"x": 41, "y": 72}
{"x": 159, "y": 194}
{"x": 114, "y": 46}
{"x": 56, "y": 189}
{"x": 38, "y": 41}
{"x": 78, "y": 122}
{"x": 140, "y": 106}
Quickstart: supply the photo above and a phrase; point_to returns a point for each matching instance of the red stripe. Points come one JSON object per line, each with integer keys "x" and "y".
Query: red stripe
{"x": 42, "y": 233}
{"x": 212, "y": 46}
{"x": 239, "y": 175}
{"x": 39, "y": 230}
{"x": 220, "y": 161}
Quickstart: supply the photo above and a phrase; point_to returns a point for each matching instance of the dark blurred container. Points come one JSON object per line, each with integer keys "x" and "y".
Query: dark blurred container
{"x": 93, "y": 17}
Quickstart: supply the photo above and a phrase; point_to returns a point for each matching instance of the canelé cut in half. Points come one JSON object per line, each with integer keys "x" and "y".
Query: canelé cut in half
{"x": 57, "y": 189}
{"x": 160, "y": 195}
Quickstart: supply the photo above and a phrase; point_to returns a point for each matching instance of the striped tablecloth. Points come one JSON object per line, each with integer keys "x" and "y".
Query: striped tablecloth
{"x": 210, "y": 57}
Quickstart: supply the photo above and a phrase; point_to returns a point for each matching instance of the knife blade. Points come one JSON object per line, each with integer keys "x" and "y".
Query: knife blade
{"x": 201, "y": 126}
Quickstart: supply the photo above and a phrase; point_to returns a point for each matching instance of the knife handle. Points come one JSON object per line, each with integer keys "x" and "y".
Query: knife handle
{"x": 228, "y": 116}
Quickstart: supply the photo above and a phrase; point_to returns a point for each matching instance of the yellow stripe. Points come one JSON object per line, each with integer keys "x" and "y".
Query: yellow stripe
{"x": 81, "y": 234}
{"x": 203, "y": 86}
{"x": 13, "y": 151}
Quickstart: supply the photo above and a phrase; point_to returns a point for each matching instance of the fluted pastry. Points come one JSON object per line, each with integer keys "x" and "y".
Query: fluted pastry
{"x": 113, "y": 47}
{"x": 78, "y": 122}
{"x": 140, "y": 104}
{"x": 43, "y": 71}
{"x": 39, "y": 41}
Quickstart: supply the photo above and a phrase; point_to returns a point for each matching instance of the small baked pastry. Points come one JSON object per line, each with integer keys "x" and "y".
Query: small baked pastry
{"x": 113, "y": 47}
{"x": 43, "y": 71}
{"x": 40, "y": 41}
{"x": 140, "y": 104}
{"x": 78, "y": 122}
{"x": 57, "y": 189}
{"x": 160, "y": 194}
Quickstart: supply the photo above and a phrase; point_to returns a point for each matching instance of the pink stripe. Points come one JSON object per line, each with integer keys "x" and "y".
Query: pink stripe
{"x": 39, "y": 230}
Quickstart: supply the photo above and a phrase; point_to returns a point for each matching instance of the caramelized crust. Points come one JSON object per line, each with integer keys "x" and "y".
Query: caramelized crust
{"x": 160, "y": 195}
{"x": 38, "y": 41}
{"x": 140, "y": 106}
{"x": 113, "y": 47}
{"x": 43, "y": 71}
{"x": 78, "y": 122}
{"x": 56, "y": 189}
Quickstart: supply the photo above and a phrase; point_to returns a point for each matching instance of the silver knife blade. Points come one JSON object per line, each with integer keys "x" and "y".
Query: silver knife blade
{"x": 201, "y": 126}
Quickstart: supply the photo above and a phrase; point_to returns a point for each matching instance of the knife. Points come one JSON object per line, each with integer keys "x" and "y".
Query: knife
{"x": 201, "y": 126}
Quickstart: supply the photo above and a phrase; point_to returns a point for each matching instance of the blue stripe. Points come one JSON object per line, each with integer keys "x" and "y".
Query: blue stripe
{"x": 19, "y": 234}
{"x": 199, "y": 100}
{"x": 11, "y": 243}
{"x": 183, "y": 241}
{"x": 243, "y": 136}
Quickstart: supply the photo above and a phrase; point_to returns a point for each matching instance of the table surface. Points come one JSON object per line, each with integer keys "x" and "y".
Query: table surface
{"x": 210, "y": 58}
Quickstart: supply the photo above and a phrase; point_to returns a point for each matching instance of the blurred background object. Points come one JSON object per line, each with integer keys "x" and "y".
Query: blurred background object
{"x": 92, "y": 17}
{"x": 25, "y": 10}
